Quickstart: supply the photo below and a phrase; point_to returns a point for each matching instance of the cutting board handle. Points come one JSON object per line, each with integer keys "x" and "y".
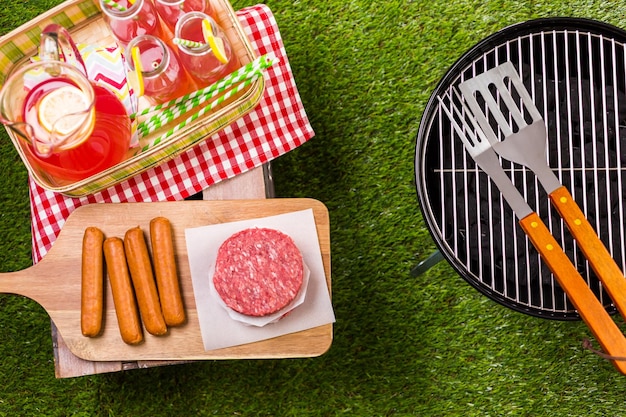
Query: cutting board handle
{"x": 33, "y": 282}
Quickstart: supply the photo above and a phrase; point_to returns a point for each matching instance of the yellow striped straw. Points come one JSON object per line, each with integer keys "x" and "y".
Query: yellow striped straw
{"x": 188, "y": 43}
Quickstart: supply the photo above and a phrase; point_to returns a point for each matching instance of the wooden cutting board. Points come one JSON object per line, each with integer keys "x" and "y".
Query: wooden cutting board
{"x": 55, "y": 281}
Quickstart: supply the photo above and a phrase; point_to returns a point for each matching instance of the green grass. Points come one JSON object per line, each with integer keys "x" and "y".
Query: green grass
{"x": 426, "y": 346}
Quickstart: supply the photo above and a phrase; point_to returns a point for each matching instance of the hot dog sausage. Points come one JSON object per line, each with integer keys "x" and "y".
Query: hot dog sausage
{"x": 122, "y": 289}
{"x": 92, "y": 283}
{"x": 143, "y": 281}
{"x": 165, "y": 271}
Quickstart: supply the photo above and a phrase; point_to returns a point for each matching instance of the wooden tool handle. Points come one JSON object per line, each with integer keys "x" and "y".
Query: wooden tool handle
{"x": 584, "y": 300}
{"x": 592, "y": 247}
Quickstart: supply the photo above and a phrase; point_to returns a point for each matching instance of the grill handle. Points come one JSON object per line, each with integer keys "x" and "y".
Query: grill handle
{"x": 584, "y": 300}
{"x": 592, "y": 247}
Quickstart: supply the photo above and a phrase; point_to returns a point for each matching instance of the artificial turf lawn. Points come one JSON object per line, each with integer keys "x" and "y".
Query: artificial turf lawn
{"x": 426, "y": 346}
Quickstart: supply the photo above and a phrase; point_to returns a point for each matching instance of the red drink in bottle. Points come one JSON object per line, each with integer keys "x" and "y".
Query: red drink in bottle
{"x": 139, "y": 18}
{"x": 202, "y": 62}
{"x": 171, "y": 10}
{"x": 163, "y": 76}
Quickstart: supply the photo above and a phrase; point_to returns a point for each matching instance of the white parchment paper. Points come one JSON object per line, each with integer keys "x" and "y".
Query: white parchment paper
{"x": 218, "y": 329}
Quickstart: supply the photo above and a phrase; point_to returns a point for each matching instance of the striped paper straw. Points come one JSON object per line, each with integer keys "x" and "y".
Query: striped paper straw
{"x": 188, "y": 43}
{"x": 200, "y": 113}
{"x": 168, "y": 114}
{"x": 236, "y": 76}
{"x": 115, "y": 5}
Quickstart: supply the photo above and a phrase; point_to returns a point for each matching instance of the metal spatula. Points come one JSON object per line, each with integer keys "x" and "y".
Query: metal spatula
{"x": 589, "y": 307}
{"x": 516, "y": 119}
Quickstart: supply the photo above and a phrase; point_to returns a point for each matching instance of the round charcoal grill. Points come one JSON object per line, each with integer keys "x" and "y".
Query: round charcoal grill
{"x": 575, "y": 71}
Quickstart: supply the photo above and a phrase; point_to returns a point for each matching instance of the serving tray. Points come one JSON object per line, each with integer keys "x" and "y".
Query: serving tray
{"x": 85, "y": 22}
{"x": 55, "y": 282}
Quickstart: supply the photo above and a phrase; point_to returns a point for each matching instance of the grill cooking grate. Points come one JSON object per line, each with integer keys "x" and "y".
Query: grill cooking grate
{"x": 575, "y": 70}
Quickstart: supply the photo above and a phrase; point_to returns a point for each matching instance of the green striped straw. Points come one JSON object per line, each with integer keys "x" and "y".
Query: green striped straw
{"x": 114, "y": 5}
{"x": 236, "y": 76}
{"x": 188, "y": 43}
{"x": 201, "y": 112}
{"x": 168, "y": 114}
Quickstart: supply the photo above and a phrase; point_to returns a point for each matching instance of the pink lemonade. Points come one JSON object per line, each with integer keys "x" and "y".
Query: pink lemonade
{"x": 163, "y": 76}
{"x": 171, "y": 10}
{"x": 193, "y": 31}
{"x": 140, "y": 18}
{"x": 201, "y": 63}
{"x": 104, "y": 147}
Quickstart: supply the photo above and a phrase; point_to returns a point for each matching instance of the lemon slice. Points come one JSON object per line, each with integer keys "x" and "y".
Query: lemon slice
{"x": 135, "y": 78}
{"x": 216, "y": 44}
{"x": 63, "y": 110}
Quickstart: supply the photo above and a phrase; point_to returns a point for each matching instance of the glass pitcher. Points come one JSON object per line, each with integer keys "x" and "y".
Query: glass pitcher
{"x": 70, "y": 127}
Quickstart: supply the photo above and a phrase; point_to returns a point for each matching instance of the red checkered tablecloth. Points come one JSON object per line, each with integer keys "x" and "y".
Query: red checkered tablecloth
{"x": 276, "y": 126}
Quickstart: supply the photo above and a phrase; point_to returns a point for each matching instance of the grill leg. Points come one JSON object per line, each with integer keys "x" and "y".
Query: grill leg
{"x": 426, "y": 264}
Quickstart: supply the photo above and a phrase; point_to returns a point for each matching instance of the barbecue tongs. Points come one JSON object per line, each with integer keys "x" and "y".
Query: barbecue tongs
{"x": 522, "y": 147}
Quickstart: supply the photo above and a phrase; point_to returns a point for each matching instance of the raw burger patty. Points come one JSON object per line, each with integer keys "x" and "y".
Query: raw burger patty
{"x": 258, "y": 271}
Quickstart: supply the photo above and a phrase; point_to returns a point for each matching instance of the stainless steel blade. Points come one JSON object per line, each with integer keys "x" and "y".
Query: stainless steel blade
{"x": 522, "y": 128}
{"x": 485, "y": 157}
